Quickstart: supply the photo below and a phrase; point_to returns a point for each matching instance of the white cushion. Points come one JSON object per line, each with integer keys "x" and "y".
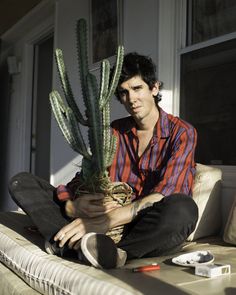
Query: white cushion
{"x": 49, "y": 274}
{"x": 230, "y": 227}
{"x": 207, "y": 195}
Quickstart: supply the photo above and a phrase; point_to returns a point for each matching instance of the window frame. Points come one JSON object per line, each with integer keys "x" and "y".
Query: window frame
{"x": 169, "y": 68}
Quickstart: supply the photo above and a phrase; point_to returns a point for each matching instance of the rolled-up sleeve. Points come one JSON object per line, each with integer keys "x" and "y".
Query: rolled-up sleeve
{"x": 177, "y": 176}
{"x": 68, "y": 191}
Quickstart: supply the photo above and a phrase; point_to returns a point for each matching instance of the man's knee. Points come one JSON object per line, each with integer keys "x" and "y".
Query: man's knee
{"x": 181, "y": 214}
{"x": 17, "y": 181}
{"x": 183, "y": 206}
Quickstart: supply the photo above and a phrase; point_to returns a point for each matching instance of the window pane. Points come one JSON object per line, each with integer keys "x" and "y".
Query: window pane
{"x": 212, "y": 18}
{"x": 208, "y": 101}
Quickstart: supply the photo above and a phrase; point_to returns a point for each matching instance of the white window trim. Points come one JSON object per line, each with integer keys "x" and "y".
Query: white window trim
{"x": 171, "y": 38}
{"x": 172, "y": 44}
{"x": 213, "y": 41}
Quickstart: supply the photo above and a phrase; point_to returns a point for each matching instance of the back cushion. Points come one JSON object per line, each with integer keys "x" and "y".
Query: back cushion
{"x": 207, "y": 195}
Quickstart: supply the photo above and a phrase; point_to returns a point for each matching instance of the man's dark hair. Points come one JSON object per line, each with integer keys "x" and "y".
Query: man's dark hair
{"x": 138, "y": 65}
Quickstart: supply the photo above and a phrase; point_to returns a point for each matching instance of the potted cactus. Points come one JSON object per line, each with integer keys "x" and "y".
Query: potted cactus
{"x": 101, "y": 148}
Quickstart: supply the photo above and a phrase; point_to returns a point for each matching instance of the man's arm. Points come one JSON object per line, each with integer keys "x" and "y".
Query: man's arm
{"x": 105, "y": 219}
{"x": 127, "y": 213}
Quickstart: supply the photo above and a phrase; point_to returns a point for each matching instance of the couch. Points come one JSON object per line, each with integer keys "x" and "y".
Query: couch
{"x": 26, "y": 268}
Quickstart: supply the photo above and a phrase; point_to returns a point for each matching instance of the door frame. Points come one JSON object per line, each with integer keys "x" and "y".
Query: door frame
{"x": 40, "y": 111}
{"x": 18, "y": 41}
{"x": 39, "y": 33}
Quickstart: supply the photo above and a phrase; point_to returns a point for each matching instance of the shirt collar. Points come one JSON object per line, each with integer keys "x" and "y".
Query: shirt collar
{"x": 161, "y": 130}
{"x": 163, "y": 125}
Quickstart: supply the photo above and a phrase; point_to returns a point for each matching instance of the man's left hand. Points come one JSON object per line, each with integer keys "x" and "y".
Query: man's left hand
{"x": 74, "y": 231}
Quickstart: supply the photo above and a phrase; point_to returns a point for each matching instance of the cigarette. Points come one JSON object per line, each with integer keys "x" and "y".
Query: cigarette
{"x": 145, "y": 268}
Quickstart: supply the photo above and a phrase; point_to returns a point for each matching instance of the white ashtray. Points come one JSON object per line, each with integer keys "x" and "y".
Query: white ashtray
{"x": 194, "y": 258}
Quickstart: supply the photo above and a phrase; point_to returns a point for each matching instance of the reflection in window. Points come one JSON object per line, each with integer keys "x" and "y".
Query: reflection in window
{"x": 208, "y": 101}
{"x": 210, "y": 19}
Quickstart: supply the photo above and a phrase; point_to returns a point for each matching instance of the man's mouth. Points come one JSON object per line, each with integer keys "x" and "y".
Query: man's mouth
{"x": 136, "y": 109}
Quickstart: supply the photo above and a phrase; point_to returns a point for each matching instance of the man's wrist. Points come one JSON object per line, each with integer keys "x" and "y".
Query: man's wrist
{"x": 119, "y": 216}
{"x": 144, "y": 203}
{"x": 127, "y": 213}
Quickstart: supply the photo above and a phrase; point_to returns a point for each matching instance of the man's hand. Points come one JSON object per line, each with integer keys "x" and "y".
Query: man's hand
{"x": 99, "y": 218}
{"x": 89, "y": 206}
{"x": 74, "y": 231}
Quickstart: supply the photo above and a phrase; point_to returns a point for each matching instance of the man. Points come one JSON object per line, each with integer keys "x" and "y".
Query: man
{"x": 155, "y": 156}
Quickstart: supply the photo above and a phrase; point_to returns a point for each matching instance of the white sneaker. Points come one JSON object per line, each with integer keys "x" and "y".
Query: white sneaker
{"x": 101, "y": 251}
{"x": 121, "y": 257}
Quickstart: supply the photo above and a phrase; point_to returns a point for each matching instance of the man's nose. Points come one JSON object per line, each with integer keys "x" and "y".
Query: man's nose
{"x": 132, "y": 97}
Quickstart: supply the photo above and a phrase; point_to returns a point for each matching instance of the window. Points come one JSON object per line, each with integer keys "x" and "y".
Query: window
{"x": 208, "y": 101}
{"x": 207, "y": 86}
{"x": 210, "y": 18}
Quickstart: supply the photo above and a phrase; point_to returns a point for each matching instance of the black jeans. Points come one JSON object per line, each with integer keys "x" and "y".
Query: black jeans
{"x": 160, "y": 228}
{"x": 156, "y": 229}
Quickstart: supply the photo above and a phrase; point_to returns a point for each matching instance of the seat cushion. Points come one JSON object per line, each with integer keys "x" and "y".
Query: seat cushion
{"x": 207, "y": 195}
{"x": 23, "y": 252}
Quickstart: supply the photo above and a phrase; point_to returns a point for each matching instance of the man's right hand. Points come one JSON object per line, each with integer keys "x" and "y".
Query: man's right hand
{"x": 89, "y": 205}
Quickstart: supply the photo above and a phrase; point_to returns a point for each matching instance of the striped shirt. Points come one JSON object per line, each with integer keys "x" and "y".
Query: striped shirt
{"x": 167, "y": 165}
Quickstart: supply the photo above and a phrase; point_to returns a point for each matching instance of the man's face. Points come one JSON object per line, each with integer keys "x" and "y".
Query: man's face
{"x": 137, "y": 97}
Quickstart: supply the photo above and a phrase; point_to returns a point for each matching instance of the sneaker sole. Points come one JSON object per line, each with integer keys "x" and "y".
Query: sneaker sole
{"x": 108, "y": 255}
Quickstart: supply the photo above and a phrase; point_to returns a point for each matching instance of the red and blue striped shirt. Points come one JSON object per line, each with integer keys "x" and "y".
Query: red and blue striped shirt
{"x": 167, "y": 165}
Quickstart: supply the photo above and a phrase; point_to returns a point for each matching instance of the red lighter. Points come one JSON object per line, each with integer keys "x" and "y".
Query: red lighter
{"x": 144, "y": 268}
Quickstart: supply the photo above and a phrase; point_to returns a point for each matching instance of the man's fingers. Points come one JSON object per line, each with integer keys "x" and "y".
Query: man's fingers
{"x": 111, "y": 206}
{"x": 75, "y": 239}
{"x": 92, "y": 197}
{"x": 96, "y": 208}
{"x": 68, "y": 231}
{"x": 61, "y": 234}
{"x": 70, "y": 208}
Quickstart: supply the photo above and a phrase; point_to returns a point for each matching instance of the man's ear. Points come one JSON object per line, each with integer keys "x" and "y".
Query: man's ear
{"x": 155, "y": 88}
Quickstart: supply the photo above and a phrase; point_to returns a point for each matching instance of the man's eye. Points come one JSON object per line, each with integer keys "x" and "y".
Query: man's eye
{"x": 136, "y": 89}
{"x": 122, "y": 93}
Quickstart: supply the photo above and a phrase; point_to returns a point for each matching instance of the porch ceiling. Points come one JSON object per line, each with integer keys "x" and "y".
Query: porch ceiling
{"x": 13, "y": 10}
